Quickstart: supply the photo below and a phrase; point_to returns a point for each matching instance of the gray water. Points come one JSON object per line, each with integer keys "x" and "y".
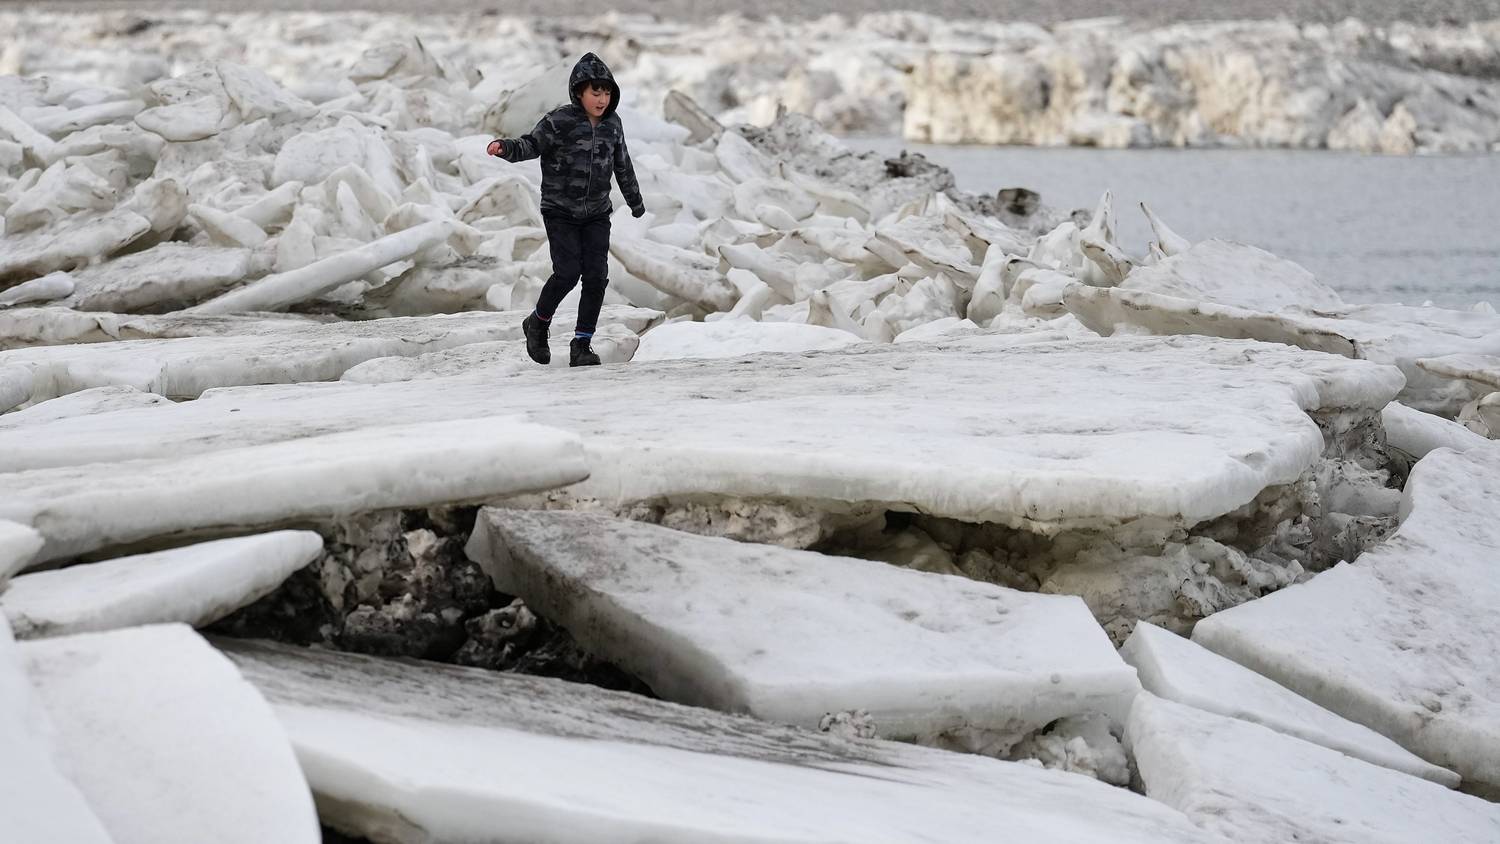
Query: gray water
{"x": 1375, "y": 228}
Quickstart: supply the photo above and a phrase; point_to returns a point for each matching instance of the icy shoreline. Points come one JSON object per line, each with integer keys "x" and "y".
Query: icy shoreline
{"x": 1394, "y": 88}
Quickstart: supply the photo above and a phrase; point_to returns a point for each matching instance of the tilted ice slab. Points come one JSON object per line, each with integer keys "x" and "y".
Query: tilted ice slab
{"x": 1228, "y": 273}
{"x": 789, "y": 636}
{"x": 732, "y": 338}
{"x": 54, "y": 326}
{"x": 272, "y": 353}
{"x": 81, "y": 403}
{"x": 413, "y": 752}
{"x": 1403, "y": 640}
{"x": 1257, "y": 786}
{"x": 1417, "y": 433}
{"x": 18, "y": 544}
{"x": 1483, "y": 370}
{"x": 166, "y": 741}
{"x": 313, "y": 473}
{"x": 1179, "y": 670}
{"x": 1393, "y": 334}
{"x": 37, "y": 802}
{"x": 1076, "y": 437}
{"x": 196, "y": 584}
{"x": 165, "y": 277}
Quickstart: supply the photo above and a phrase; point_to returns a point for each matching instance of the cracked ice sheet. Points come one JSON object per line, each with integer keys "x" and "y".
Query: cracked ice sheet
{"x": 196, "y": 585}
{"x": 37, "y": 801}
{"x": 167, "y": 742}
{"x": 1258, "y": 786}
{"x": 1089, "y": 432}
{"x": 1176, "y": 669}
{"x": 271, "y": 353}
{"x": 1403, "y": 640}
{"x": 1398, "y": 335}
{"x": 416, "y": 751}
{"x": 789, "y": 636}
{"x": 314, "y": 474}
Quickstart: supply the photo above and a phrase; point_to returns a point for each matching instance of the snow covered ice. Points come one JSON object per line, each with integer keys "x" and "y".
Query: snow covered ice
{"x": 1406, "y": 633}
{"x": 789, "y": 636}
{"x": 195, "y": 585}
{"x": 1174, "y": 668}
{"x": 1252, "y": 784}
{"x": 413, "y": 752}
{"x": 166, "y": 741}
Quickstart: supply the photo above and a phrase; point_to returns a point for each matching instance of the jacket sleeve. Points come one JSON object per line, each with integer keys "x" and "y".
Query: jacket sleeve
{"x": 625, "y": 177}
{"x": 539, "y": 141}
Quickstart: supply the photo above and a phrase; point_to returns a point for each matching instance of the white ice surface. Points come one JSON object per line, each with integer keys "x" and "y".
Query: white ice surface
{"x": 1257, "y": 786}
{"x": 317, "y": 472}
{"x": 37, "y": 802}
{"x": 1418, "y": 433}
{"x": 1481, "y": 369}
{"x": 732, "y": 338}
{"x": 272, "y": 352}
{"x": 789, "y": 636}
{"x": 1177, "y": 669}
{"x": 81, "y": 403}
{"x": 167, "y": 276}
{"x": 18, "y": 544}
{"x": 196, "y": 585}
{"x": 1079, "y": 435}
{"x": 416, "y": 752}
{"x": 1398, "y": 335}
{"x": 1403, "y": 640}
{"x": 167, "y": 742}
{"x": 613, "y": 343}
{"x": 1229, "y": 273}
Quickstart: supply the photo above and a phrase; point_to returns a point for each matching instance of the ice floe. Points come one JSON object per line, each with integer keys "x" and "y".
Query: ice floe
{"x": 790, "y": 636}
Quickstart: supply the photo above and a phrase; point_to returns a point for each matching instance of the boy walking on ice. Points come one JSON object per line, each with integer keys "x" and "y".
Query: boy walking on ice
{"x": 581, "y": 144}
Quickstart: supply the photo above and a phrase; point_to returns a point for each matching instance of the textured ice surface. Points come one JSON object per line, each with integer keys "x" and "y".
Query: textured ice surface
{"x": 1258, "y": 786}
{"x": 1230, "y": 273}
{"x": 166, "y": 741}
{"x": 614, "y": 343}
{"x": 313, "y": 472}
{"x": 272, "y": 352}
{"x": 1177, "y": 669}
{"x": 845, "y": 426}
{"x": 408, "y": 752}
{"x": 195, "y": 584}
{"x": 789, "y": 636}
{"x": 37, "y": 801}
{"x": 1403, "y": 639}
{"x": 1392, "y": 334}
{"x": 732, "y": 338}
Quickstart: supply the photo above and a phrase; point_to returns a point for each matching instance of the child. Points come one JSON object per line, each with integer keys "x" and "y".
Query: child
{"x": 580, "y": 145}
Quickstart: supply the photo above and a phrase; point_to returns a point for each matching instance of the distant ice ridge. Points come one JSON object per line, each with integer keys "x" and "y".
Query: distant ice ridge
{"x": 1396, "y": 89}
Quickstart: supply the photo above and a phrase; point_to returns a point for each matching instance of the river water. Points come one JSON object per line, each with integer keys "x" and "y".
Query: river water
{"x": 1375, "y": 228}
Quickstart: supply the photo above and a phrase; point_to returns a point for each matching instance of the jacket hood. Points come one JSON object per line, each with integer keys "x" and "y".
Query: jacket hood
{"x": 592, "y": 67}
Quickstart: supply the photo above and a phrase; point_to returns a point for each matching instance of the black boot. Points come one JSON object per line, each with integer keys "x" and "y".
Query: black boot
{"x": 536, "y": 339}
{"x": 582, "y": 355}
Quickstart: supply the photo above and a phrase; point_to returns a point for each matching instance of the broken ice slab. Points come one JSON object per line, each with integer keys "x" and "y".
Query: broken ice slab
{"x": 1228, "y": 273}
{"x": 1077, "y": 437}
{"x": 1177, "y": 669}
{"x": 165, "y": 277}
{"x": 195, "y": 584}
{"x": 1402, "y": 640}
{"x": 1257, "y": 786}
{"x": 1398, "y": 335}
{"x": 406, "y": 751}
{"x": 1483, "y": 370}
{"x": 318, "y": 473}
{"x": 18, "y": 544}
{"x": 789, "y": 636}
{"x": 1416, "y": 434}
{"x": 167, "y": 743}
{"x": 81, "y": 403}
{"x": 37, "y": 801}
{"x": 265, "y": 352}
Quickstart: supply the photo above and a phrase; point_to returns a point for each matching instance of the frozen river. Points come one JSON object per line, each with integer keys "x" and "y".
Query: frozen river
{"x": 1378, "y": 229}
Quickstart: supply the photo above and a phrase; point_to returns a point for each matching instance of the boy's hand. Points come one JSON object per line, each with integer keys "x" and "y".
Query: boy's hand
{"x": 496, "y": 148}
{"x": 638, "y": 212}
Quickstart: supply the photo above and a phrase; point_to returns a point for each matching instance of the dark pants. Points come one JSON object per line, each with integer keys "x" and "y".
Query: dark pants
{"x": 580, "y": 248}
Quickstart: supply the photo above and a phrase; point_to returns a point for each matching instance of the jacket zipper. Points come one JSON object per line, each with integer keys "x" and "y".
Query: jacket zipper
{"x": 588, "y": 193}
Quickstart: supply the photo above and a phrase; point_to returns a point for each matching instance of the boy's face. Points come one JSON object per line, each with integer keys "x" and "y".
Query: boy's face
{"x": 595, "y": 98}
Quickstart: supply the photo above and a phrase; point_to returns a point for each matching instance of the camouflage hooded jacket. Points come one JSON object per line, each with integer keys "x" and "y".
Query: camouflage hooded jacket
{"x": 577, "y": 156}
